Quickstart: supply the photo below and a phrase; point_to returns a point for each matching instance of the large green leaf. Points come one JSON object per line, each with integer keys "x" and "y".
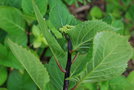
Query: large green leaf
{"x": 111, "y": 53}
{"x": 3, "y": 75}
{"x": 12, "y": 22}
{"x": 60, "y": 17}
{"x": 7, "y": 58}
{"x": 31, "y": 63}
{"x": 23, "y": 80}
{"x": 84, "y": 32}
{"x": 28, "y": 8}
{"x": 52, "y": 42}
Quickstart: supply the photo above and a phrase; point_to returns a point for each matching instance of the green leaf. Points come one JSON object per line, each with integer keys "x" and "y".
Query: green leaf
{"x": 79, "y": 64}
{"x": 31, "y": 63}
{"x": 3, "y": 75}
{"x": 7, "y": 58}
{"x": 3, "y": 89}
{"x": 118, "y": 24}
{"x": 52, "y": 42}
{"x": 120, "y": 83}
{"x": 49, "y": 87}
{"x": 56, "y": 76}
{"x": 104, "y": 85}
{"x": 85, "y": 32}
{"x": 90, "y": 86}
{"x": 52, "y": 3}
{"x": 108, "y": 19}
{"x": 130, "y": 78}
{"x": 54, "y": 30}
{"x": 13, "y": 3}
{"x": 60, "y": 17}
{"x": 12, "y": 22}
{"x": 23, "y": 80}
{"x": 130, "y": 11}
{"x": 28, "y": 8}
{"x": 111, "y": 53}
{"x": 36, "y": 31}
{"x": 96, "y": 12}
{"x": 39, "y": 38}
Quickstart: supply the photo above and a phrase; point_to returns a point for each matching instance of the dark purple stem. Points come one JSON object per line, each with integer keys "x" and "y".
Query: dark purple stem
{"x": 68, "y": 66}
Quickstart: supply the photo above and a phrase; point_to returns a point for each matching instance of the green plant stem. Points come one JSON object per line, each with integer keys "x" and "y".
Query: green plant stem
{"x": 68, "y": 66}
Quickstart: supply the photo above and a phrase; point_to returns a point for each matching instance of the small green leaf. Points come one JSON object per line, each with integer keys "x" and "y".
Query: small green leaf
{"x": 3, "y": 75}
{"x": 23, "y": 80}
{"x": 31, "y": 63}
{"x": 96, "y": 12}
{"x": 36, "y": 31}
{"x": 39, "y": 38}
{"x": 37, "y": 43}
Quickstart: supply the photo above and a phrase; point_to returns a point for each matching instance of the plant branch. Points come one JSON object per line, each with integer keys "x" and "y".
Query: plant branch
{"x": 60, "y": 67}
{"x": 75, "y": 57}
{"x": 68, "y": 65}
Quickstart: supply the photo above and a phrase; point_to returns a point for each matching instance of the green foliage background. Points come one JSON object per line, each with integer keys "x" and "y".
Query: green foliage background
{"x": 33, "y": 41}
